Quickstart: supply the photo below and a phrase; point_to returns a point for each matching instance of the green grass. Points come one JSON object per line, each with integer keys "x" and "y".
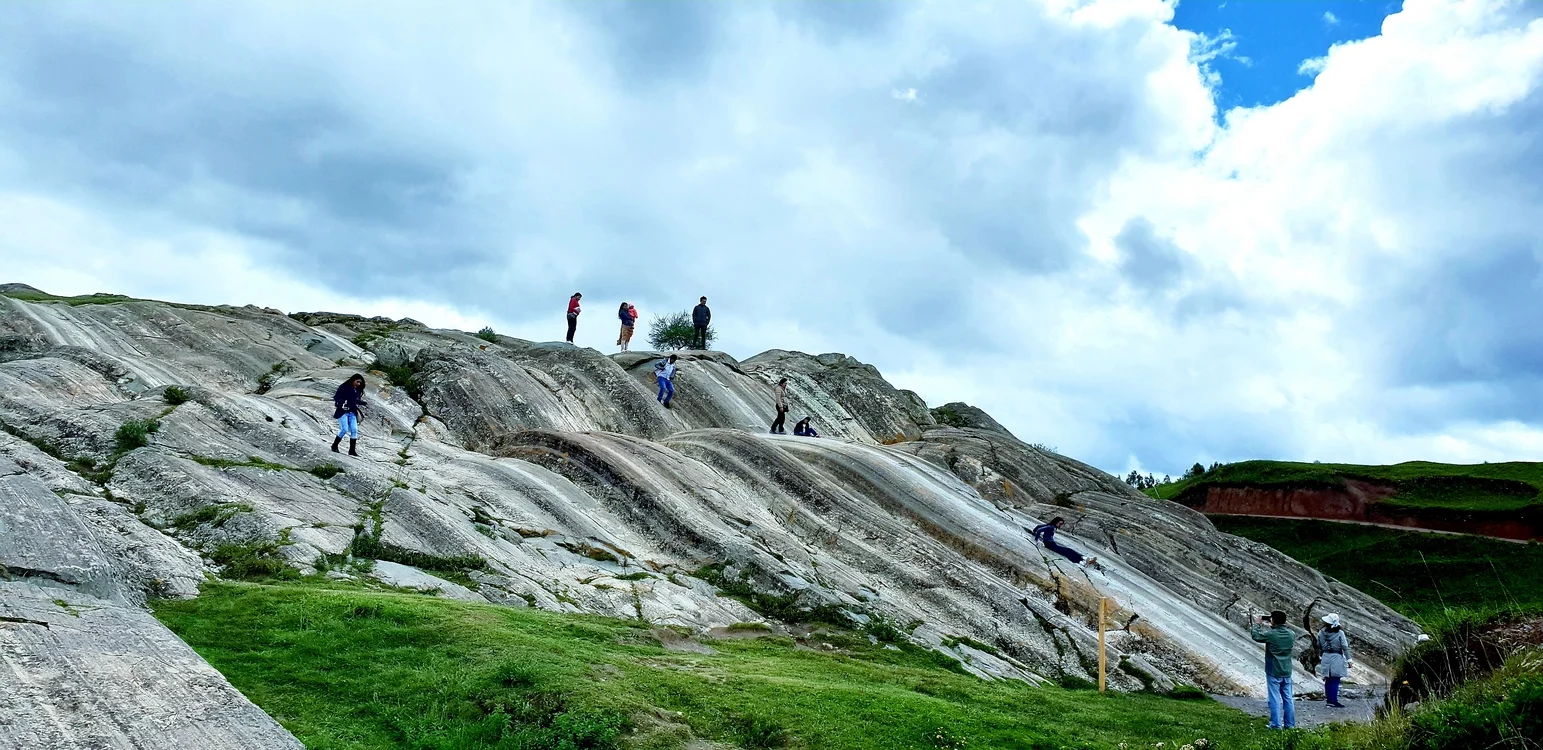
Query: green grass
{"x": 346, "y": 668}
{"x": 1427, "y": 577}
{"x": 1504, "y": 487}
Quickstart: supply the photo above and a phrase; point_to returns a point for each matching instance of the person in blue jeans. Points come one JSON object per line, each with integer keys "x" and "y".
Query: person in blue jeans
{"x": 1279, "y": 643}
{"x": 348, "y": 399}
{"x": 664, "y": 371}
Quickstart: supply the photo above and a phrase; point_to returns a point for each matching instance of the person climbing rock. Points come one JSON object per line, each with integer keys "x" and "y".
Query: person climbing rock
{"x": 780, "y": 391}
{"x": 701, "y": 316}
{"x": 664, "y": 371}
{"x": 1278, "y": 642}
{"x": 573, "y": 315}
{"x": 629, "y": 316}
{"x": 804, "y": 429}
{"x": 1333, "y": 658}
{"x": 348, "y": 399}
{"x": 1045, "y": 534}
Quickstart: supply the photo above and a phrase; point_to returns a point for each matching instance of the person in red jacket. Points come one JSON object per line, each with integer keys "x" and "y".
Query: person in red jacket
{"x": 573, "y": 315}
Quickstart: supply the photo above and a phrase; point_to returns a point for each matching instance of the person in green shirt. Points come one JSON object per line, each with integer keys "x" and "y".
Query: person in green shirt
{"x": 1279, "y": 642}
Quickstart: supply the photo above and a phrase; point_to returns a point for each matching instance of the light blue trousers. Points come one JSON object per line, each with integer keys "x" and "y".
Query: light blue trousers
{"x": 1283, "y": 713}
{"x": 348, "y": 426}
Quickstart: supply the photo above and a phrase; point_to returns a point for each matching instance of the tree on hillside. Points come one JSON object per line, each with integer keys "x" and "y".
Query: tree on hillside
{"x": 1194, "y": 471}
{"x": 674, "y": 331}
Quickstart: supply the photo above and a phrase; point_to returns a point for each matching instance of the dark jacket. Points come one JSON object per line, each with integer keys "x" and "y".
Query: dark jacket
{"x": 1045, "y": 532}
{"x": 626, "y": 317}
{"x": 347, "y": 399}
{"x": 701, "y": 316}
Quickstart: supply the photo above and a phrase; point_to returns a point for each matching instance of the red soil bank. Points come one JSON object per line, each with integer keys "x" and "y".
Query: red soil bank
{"x": 1357, "y": 500}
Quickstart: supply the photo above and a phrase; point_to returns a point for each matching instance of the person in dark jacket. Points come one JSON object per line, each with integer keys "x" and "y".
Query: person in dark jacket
{"x": 573, "y": 315}
{"x": 629, "y": 316}
{"x": 701, "y": 316}
{"x": 804, "y": 429}
{"x": 1045, "y": 534}
{"x": 1279, "y": 642}
{"x": 1333, "y": 659}
{"x": 348, "y": 399}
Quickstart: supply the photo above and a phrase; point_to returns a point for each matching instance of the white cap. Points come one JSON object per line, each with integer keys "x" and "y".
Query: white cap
{"x": 1331, "y": 620}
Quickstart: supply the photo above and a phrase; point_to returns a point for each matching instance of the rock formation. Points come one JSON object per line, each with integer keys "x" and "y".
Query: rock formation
{"x": 149, "y": 444}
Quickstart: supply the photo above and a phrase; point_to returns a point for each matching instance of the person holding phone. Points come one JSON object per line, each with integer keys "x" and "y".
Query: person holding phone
{"x": 1279, "y": 643}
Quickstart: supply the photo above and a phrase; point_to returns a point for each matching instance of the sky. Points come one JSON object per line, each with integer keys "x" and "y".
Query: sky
{"x": 1142, "y": 234}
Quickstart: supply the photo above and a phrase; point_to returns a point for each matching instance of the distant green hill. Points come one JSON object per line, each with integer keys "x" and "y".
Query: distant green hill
{"x": 1419, "y": 484}
{"x": 1503, "y": 499}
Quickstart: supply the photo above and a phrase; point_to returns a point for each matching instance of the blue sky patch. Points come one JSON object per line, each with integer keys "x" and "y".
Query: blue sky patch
{"x": 1269, "y": 39}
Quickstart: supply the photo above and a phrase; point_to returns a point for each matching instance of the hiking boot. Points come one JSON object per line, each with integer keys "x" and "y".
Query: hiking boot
{"x": 335, "y": 442}
{"x": 351, "y": 445}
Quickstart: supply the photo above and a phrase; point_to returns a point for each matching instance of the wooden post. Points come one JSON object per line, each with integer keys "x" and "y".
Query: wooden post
{"x": 1103, "y": 610}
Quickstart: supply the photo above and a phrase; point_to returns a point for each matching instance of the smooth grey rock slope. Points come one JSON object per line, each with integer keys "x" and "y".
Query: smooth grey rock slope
{"x": 548, "y": 476}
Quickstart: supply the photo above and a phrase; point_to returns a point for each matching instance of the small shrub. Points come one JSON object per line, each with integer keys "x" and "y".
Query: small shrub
{"x": 948, "y": 417}
{"x": 675, "y": 331}
{"x": 135, "y": 433}
{"x": 1188, "y": 693}
{"x": 487, "y": 334}
{"x": 326, "y": 471}
{"x": 176, "y": 395}
{"x": 757, "y": 732}
{"x": 253, "y": 562}
{"x": 944, "y": 739}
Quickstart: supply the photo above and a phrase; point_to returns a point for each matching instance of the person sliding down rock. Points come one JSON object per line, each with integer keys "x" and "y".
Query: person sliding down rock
{"x": 348, "y": 400}
{"x": 664, "y": 371}
{"x": 804, "y": 429}
{"x": 1045, "y": 534}
{"x": 780, "y": 390}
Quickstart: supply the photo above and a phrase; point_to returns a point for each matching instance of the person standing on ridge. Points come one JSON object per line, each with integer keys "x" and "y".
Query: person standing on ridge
{"x": 1278, "y": 642}
{"x": 701, "y": 316}
{"x": 664, "y": 371}
{"x": 347, "y": 400}
{"x": 1333, "y": 659}
{"x": 780, "y": 391}
{"x": 573, "y": 315}
{"x": 629, "y": 316}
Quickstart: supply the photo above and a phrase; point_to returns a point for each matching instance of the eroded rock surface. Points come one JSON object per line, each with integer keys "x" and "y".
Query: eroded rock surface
{"x": 544, "y": 475}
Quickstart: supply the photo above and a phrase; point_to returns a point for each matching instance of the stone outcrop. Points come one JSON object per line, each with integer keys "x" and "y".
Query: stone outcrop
{"x": 544, "y": 475}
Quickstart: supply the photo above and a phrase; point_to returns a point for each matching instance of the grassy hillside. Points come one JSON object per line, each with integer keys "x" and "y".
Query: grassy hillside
{"x": 347, "y": 668}
{"x": 1428, "y": 577}
{"x": 1509, "y": 487}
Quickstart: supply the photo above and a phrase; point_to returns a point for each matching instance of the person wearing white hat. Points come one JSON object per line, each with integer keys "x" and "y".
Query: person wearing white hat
{"x": 1333, "y": 658}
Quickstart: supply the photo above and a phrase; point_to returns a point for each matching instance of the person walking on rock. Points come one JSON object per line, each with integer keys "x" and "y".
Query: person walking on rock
{"x": 1333, "y": 659}
{"x": 804, "y": 429}
{"x": 629, "y": 316}
{"x": 1045, "y": 534}
{"x": 664, "y": 371}
{"x": 348, "y": 399}
{"x": 1278, "y": 642}
{"x": 701, "y": 316}
{"x": 780, "y": 391}
{"x": 573, "y": 315}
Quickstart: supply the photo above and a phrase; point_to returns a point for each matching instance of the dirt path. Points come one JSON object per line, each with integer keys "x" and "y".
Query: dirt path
{"x": 1360, "y": 707}
{"x": 1392, "y": 526}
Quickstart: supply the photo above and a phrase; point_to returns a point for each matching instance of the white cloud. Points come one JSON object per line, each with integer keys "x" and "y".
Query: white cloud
{"x": 1330, "y": 19}
{"x": 1063, "y": 235}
